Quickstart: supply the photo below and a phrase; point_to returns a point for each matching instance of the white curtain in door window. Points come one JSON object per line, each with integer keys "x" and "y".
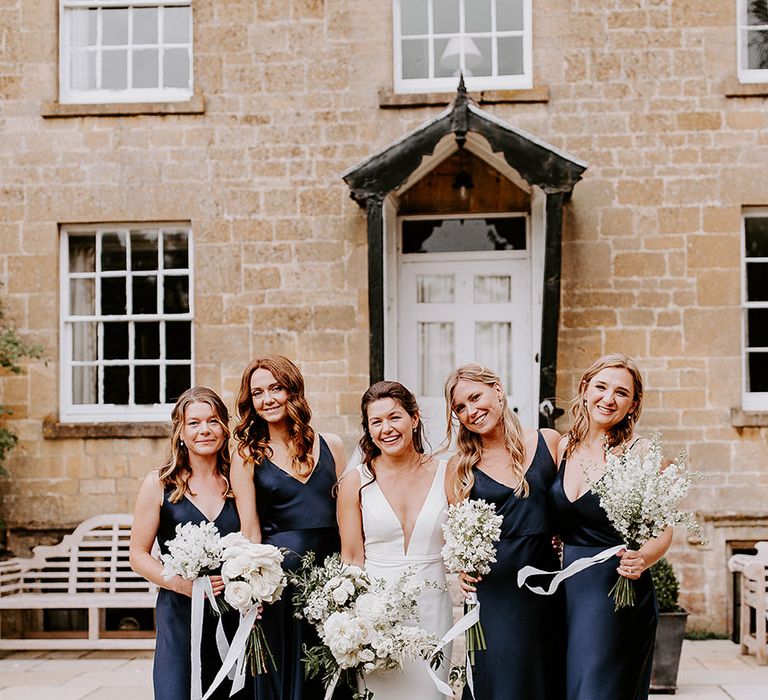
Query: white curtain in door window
{"x": 84, "y": 335}
{"x": 493, "y": 289}
{"x": 493, "y": 349}
{"x": 435, "y": 356}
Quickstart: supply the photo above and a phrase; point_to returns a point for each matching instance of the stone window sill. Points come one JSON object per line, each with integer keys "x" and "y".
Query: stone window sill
{"x": 53, "y": 110}
{"x": 391, "y": 100}
{"x": 53, "y": 430}
{"x": 733, "y": 88}
{"x": 748, "y": 419}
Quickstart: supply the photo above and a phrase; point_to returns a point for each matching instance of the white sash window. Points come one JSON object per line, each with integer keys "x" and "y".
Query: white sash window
{"x": 755, "y": 310}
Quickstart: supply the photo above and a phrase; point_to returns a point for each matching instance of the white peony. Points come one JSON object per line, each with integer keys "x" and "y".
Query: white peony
{"x": 371, "y": 607}
{"x": 235, "y": 567}
{"x": 239, "y": 595}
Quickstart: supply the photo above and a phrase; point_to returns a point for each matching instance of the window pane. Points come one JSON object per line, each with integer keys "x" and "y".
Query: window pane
{"x": 757, "y": 49}
{"x": 434, "y": 289}
{"x": 477, "y": 16}
{"x": 175, "y": 247}
{"x": 144, "y": 25}
{"x": 145, "y": 295}
{"x": 83, "y": 27}
{"x": 113, "y": 251}
{"x": 84, "y": 384}
{"x": 144, "y": 250}
{"x": 758, "y": 371}
{"x": 509, "y": 15}
{"x": 147, "y": 341}
{"x": 114, "y": 70}
{"x": 116, "y": 384}
{"x": 757, "y": 328}
{"x": 413, "y": 17}
{"x": 82, "y": 254}
{"x": 178, "y": 340}
{"x": 447, "y": 58}
{"x": 493, "y": 348}
{"x": 176, "y": 25}
{"x": 176, "y": 68}
{"x": 756, "y": 237}
{"x": 82, "y": 297}
{"x": 457, "y": 235}
{"x": 146, "y": 68}
{"x": 435, "y": 356}
{"x": 477, "y": 56}
{"x": 178, "y": 378}
{"x": 757, "y": 12}
{"x": 510, "y": 55}
{"x": 146, "y": 384}
{"x": 493, "y": 289}
{"x": 113, "y": 296}
{"x": 82, "y": 69}
{"x": 84, "y": 342}
{"x": 114, "y": 26}
{"x": 415, "y": 59}
{"x": 446, "y": 19}
{"x": 757, "y": 281}
{"x": 176, "y": 295}
{"x": 115, "y": 341}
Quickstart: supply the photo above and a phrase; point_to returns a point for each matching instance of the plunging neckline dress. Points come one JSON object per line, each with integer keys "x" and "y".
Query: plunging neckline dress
{"x": 387, "y": 558}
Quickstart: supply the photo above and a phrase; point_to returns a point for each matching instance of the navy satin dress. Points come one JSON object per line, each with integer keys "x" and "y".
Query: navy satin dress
{"x": 171, "y": 673}
{"x": 301, "y": 517}
{"x": 609, "y": 653}
{"x": 523, "y": 659}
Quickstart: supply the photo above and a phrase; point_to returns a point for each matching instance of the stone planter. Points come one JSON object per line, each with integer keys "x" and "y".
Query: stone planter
{"x": 666, "y": 653}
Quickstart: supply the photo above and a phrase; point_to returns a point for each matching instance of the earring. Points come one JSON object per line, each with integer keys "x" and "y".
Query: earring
{"x": 181, "y": 442}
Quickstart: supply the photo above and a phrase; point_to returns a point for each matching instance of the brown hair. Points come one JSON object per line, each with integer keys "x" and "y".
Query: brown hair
{"x": 621, "y": 432}
{"x": 176, "y": 471}
{"x": 252, "y": 431}
{"x": 469, "y": 445}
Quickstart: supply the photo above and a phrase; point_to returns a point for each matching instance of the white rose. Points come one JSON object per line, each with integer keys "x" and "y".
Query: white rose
{"x": 234, "y": 539}
{"x": 238, "y": 594}
{"x": 235, "y": 567}
{"x": 366, "y": 655}
{"x": 265, "y": 555}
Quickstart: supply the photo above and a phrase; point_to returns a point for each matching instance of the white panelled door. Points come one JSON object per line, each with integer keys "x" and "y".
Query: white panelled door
{"x": 457, "y": 307}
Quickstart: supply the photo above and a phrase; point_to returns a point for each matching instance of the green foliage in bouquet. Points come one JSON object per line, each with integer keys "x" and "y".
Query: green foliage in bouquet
{"x": 666, "y": 584}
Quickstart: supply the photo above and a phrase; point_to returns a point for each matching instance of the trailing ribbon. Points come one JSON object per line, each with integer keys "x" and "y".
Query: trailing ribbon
{"x": 332, "y": 685}
{"x": 235, "y": 657}
{"x": 573, "y": 568}
{"x": 202, "y": 589}
{"x": 469, "y": 619}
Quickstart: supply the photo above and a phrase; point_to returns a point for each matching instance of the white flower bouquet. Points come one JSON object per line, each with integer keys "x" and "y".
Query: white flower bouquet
{"x": 194, "y": 552}
{"x": 361, "y": 622}
{"x": 471, "y": 532}
{"x": 641, "y": 498}
{"x": 253, "y": 576}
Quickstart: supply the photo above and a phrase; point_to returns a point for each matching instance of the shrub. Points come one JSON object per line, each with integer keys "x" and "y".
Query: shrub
{"x": 666, "y": 584}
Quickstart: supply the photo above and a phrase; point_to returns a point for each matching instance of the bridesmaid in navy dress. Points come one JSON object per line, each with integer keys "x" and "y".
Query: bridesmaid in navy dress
{"x": 513, "y": 468}
{"x": 283, "y": 476}
{"x": 193, "y": 487}
{"x": 609, "y": 653}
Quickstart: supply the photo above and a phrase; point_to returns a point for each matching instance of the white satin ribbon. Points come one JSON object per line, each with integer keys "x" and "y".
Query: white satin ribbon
{"x": 202, "y": 589}
{"x": 469, "y": 619}
{"x": 332, "y": 685}
{"x": 235, "y": 658}
{"x": 573, "y": 568}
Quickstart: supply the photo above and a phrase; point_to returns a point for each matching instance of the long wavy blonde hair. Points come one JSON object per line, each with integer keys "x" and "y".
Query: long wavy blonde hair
{"x": 469, "y": 445}
{"x": 177, "y": 470}
{"x": 252, "y": 431}
{"x": 620, "y": 433}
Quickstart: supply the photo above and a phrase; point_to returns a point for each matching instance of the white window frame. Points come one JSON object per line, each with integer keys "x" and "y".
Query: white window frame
{"x": 751, "y": 400}
{"x": 132, "y": 412}
{"x": 68, "y": 95}
{"x": 746, "y": 74}
{"x": 473, "y": 83}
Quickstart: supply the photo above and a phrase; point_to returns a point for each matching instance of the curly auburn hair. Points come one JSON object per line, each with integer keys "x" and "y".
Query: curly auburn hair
{"x": 469, "y": 445}
{"x": 620, "y": 433}
{"x": 252, "y": 431}
{"x": 177, "y": 470}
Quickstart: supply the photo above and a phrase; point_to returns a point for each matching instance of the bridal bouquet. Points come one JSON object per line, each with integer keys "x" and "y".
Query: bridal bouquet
{"x": 471, "y": 532}
{"x": 253, "y": 576}
{"x": 642, "y": 498}
{"x": 194, "y": 552}
{"x": 361, "y": 622}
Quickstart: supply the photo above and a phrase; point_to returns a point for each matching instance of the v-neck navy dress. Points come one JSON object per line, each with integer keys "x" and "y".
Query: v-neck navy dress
{"x": 172, "y": 670}
{"x": 609, "y": 653}
{"x": 302, "y": 518}
{"x": 523, "y": 631}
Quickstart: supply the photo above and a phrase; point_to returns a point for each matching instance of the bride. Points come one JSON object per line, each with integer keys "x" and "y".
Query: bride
{"x": 391, "y": 508}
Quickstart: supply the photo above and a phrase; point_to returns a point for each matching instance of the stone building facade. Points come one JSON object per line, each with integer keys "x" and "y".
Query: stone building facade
{"x": 284, "y": 97}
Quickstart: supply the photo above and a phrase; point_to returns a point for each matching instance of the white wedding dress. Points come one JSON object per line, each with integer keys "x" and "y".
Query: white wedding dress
{"x": 385, "y": 557}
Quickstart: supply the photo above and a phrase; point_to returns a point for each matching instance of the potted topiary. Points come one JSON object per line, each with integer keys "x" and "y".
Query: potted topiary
{"x": 671, "y": 630}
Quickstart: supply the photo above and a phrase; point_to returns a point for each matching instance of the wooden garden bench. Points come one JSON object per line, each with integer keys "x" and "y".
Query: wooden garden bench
{"x": 89, "y": 569}
{"x": 754, "y": 601}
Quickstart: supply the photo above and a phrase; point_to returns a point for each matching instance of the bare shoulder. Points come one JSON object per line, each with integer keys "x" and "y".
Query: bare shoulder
{"x": 349, "y": 482}
{"x": 336, "y": 446}
{"x": 638, "y": 444}
{"x": 334, "y": 441}
{"x": 562, "y": 445}
{"x": 552, "y": 438}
